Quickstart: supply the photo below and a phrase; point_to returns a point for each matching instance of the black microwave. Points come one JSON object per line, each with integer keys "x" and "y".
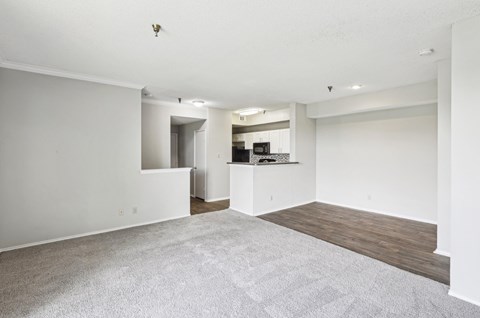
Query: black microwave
{"x": 261, "y": 148}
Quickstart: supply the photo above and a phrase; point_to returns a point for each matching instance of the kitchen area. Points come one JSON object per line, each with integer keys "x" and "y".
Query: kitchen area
{"x": 261, "y": 138}
{"x": 261, "y": 170}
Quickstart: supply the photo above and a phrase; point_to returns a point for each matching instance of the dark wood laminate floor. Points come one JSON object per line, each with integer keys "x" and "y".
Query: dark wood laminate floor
{"x": 198, "y": 206}
{"x": 406, "y": 244}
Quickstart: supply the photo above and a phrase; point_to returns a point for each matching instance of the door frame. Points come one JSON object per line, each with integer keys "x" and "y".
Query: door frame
{"x": 195, "y": 163}
{"x": 176, "y": 148}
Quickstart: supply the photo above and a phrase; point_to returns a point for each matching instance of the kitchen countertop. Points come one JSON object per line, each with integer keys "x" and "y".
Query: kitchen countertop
{"x": 263, "y": 163}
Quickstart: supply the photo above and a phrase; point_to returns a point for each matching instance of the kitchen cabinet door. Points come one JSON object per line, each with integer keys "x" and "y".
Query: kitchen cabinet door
{"x": 249, "y": 140}
{"x": 261, "y": 136}
{"x": 284, "y": 141}
{"x": 256, "y": 137}
{"x": 240, "y": 137}
{"x": 274, "y": 138}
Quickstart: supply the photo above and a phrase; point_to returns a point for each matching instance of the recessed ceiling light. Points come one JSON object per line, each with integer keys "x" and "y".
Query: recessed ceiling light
{"x": 248, "y": 111}
{"x": 356, "y": 86}
{"x": 426, "y": 52}
{"x": 198, "y": 103}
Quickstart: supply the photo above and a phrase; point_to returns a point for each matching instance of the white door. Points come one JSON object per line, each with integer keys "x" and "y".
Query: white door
{"x": 200, "y": 164}
{"x": 174, "y": 150}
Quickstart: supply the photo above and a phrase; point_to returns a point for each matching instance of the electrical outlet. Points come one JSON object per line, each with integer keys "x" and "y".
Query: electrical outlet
{"x": 120, "y": 212}
{"x": 271, "y": 198}
{"x": 135, "y": 210}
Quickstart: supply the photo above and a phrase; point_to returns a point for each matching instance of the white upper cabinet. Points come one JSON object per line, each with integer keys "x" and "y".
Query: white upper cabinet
{"x": 279, "y": 139}
{"x": 274, "y": 138}
{"x": 238, "y": 137}
{"x": 284, "y": 141}
{"x": 261, "y": 136}
{"x": 248, "y": 141}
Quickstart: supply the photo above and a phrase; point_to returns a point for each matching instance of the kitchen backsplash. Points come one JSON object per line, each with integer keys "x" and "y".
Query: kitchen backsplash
{"x": 279, "y": 157}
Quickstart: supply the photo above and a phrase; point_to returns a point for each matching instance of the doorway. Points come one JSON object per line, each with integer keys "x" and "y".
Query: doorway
{"x": 189, "y": 150}
{"x": 198, "y": 206}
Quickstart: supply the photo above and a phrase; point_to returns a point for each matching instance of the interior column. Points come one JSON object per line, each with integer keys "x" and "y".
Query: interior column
{"x": 465, "y": 213}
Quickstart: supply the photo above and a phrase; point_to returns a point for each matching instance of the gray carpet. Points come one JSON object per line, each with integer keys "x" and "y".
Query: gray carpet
{"x": 221, "y": 264}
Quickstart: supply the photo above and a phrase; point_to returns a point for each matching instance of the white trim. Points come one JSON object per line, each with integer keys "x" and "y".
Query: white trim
{"x": 380, "y": 212}
{"x": 59, "y": 73}
{"x": 467, "y": 299}
{"x": 443, "y": 253}
{"x": 156, "y": 171}
{"x": 64, "y": 238}
{"x": 217, "y": 199}
{"x": 195, "y": 132}
{"x": 195, "y": 163}
{"x": 172, "y": 134}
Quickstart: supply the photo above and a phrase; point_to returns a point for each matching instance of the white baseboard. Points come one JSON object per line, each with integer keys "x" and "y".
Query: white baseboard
{"x": 443, "y": 253}
{"x": 380, "y": 212}
{"x": 467, "y": 299}
{"x": 11, "y": 248}
{"x": 217, "y": 199}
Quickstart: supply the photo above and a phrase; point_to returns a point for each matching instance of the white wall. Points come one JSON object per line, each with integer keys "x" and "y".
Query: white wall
{"x": 156, "y": 142}
{"x": 186, "y": 146}
{"x": 70, "y": 160}
{"x": 383, "y": 161}
{"x": 302, "y": 149}
{"x": 219, "y": 152}
{"x": 156, "y": 131}
{"x": 405, "y": 96}
{"x": 444, "y": 162}
{"x": 465, "y": 173}
{"x": 257, "y": 190}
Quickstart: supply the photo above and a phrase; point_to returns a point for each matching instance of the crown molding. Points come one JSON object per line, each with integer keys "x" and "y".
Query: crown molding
{"x": 71, "y": 75}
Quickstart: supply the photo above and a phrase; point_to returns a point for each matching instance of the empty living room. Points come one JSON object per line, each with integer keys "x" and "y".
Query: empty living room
{"x": 179, "y": 158}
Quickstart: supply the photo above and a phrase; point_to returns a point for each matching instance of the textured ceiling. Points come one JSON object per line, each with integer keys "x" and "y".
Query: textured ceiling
{"x": 235, "y": 54}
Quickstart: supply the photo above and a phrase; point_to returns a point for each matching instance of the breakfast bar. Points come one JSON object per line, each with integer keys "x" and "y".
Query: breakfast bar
{"x": 259, "y": 188}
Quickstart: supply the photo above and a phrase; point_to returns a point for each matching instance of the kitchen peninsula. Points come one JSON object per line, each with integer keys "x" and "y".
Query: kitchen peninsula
{"x": 259, "y": 188}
